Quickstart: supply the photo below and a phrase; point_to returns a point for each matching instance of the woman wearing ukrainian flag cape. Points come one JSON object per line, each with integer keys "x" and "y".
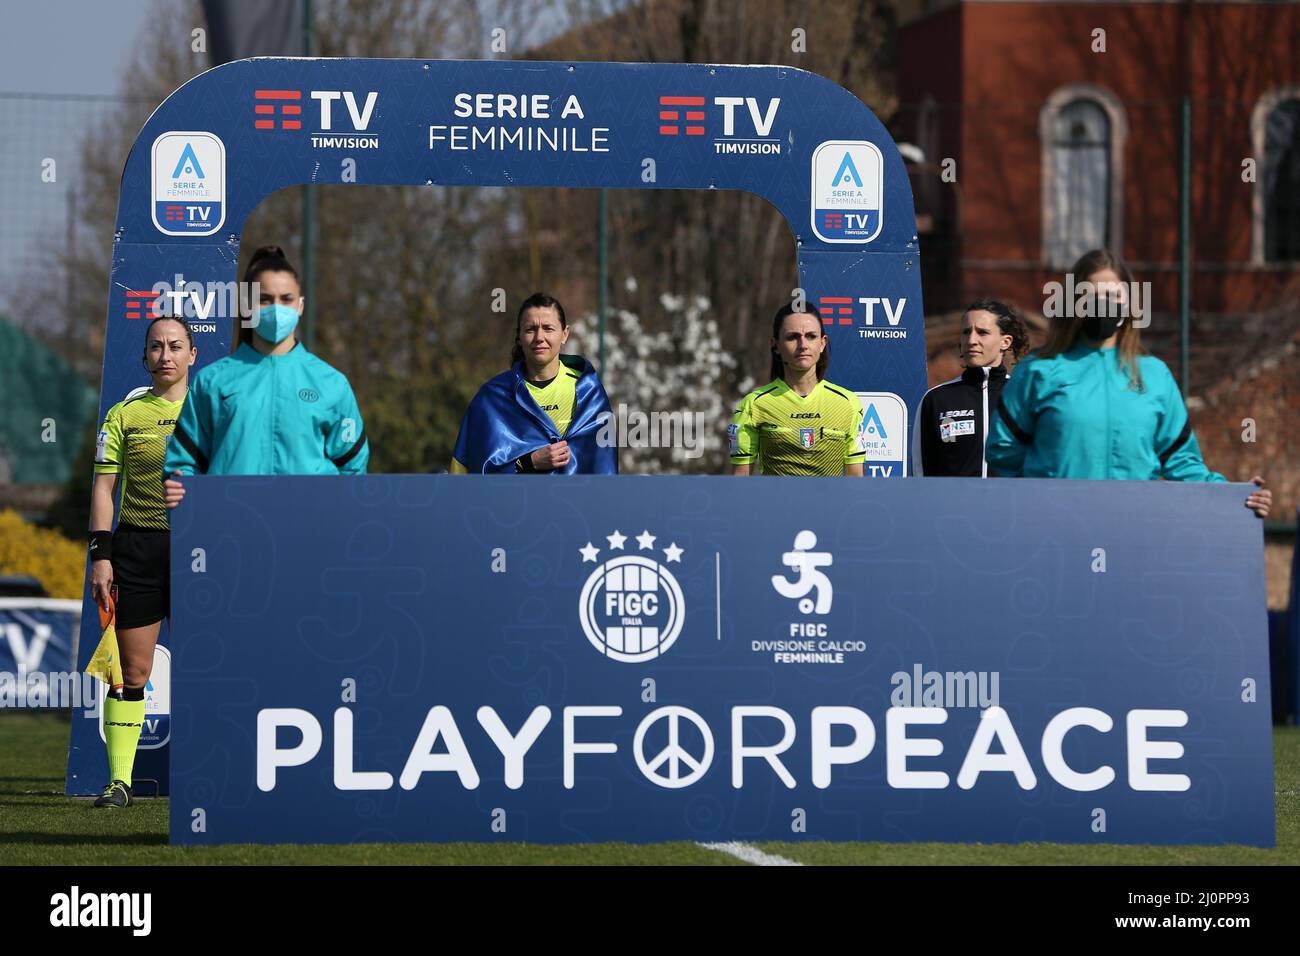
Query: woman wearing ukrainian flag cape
{"x": 543, "y": 414}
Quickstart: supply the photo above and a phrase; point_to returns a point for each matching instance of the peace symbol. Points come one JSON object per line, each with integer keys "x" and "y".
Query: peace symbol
{"x": 674, "y": 755}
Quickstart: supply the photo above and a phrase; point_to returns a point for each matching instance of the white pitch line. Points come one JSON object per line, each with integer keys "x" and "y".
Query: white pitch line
{"x": 750, "y": 854}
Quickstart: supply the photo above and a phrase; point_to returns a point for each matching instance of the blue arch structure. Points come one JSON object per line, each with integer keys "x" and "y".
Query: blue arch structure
{"x": 234, "y": 135}
{"x": 804, "y": 144}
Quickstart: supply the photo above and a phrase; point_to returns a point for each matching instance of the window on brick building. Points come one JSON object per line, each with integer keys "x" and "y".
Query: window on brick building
{"x": 1080, "y": 180}
{"x": 1082, "y": 130}
{"x": 1279, "y": 180}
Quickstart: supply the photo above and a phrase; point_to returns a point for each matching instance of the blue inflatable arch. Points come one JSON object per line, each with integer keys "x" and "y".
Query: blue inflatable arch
{"x": 234, "y": 135}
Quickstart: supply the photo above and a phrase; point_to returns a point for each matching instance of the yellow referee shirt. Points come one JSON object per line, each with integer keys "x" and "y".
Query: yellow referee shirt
{"x": 791, "y": 434}
{"x": 132, "y": 443}
{"x": 557, "y": 397}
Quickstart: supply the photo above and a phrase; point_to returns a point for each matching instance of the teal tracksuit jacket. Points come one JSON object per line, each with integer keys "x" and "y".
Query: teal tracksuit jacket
{"x": 1076, "y": 416}
{"x": 254, "y": 414}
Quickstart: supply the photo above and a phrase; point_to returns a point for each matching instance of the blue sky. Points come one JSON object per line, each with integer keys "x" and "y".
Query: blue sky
{"x": 67, "y": 46}
{"x": 58, "y": 60}
{"x": 52, "y": 48}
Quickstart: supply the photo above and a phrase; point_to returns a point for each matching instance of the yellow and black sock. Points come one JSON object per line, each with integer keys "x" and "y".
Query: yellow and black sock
{"x": 123, "y": 718}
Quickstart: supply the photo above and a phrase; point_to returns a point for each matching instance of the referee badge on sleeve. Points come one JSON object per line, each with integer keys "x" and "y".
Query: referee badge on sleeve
{"x": 733, "y": 434}
{"x": 100, "y": 442}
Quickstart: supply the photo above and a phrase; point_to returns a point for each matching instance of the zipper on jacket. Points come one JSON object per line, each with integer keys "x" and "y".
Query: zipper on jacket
{"x": 275, "y": 413}
{"x": 984, "y": 461}
{"x": 1110, "y": 427}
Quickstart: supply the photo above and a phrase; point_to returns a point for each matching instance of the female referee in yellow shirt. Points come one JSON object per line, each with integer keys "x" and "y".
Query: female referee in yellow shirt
{"x": 799, "y": 423}
{"x": 136, "y": 558}
{"x": 544, "y": 414}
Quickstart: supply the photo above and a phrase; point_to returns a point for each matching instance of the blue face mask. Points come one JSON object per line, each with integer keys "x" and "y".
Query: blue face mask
{"x": 275, "y": 322}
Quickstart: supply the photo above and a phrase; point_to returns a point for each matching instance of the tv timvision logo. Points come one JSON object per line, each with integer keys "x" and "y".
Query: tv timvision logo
{"x": 283, "y": 110}
{"x": 880, "y": 316}
{"x": 848, "y": 180}
{"x": 631, "y": 607}
{"x": 732, "y": 121}
{"x": 188, "y": 181}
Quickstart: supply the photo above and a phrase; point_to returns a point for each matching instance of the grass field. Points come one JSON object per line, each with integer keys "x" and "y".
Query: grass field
{"x": 39, "y": 825}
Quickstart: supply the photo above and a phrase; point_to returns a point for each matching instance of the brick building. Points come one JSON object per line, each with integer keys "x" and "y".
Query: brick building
{"x": 1064, "y": 125}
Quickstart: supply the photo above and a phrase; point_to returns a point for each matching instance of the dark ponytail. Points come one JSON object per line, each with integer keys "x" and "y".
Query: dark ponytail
{"x": 778, "y": 320}
{"x": 1010, "y": 322}
{"x": 265, "y": 259}
{"x": 538, "y": 300}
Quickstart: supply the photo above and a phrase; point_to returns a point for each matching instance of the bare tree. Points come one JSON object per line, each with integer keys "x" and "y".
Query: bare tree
{"x": 731, "y": 248}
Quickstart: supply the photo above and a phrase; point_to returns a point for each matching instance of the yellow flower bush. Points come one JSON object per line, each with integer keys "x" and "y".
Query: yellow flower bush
{"x": 49, "y": 557}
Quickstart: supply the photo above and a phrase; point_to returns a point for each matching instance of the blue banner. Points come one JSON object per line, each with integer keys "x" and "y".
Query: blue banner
{"x": 36, "y": 640}
{"x": 643, "y": 659}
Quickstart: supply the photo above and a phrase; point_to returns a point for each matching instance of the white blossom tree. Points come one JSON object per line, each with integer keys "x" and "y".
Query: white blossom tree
{"x": 679, "y": 374}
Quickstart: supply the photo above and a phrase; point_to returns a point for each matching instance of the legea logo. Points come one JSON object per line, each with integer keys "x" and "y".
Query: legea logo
{"x": 631, "y": 607}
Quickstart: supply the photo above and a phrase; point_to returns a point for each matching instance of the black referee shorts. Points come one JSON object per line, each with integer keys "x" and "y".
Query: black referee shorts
{"x": 142, "y": 574}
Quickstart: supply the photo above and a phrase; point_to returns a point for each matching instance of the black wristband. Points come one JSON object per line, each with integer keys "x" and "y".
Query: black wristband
{"x": 525, "y": 466}
{"x": 101, "y": 545}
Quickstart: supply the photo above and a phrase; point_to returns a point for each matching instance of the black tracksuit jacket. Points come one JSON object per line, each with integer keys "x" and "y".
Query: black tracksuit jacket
{"x": 953, "y": 424}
